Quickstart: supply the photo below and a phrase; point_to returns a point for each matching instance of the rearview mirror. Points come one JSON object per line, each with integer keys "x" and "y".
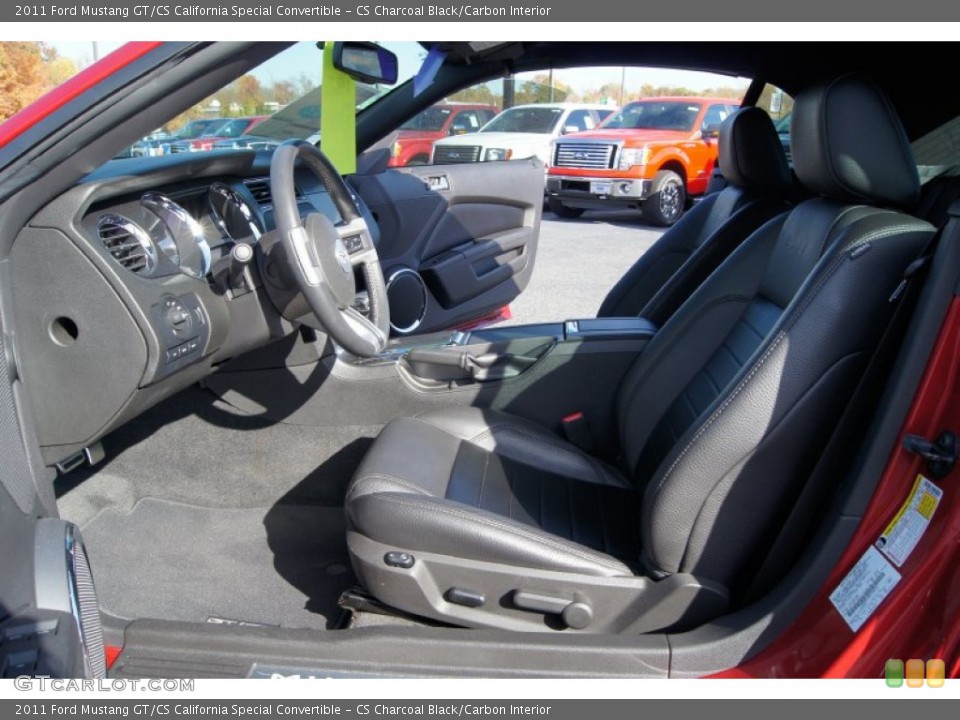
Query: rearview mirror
{"x": 365, "y": 62}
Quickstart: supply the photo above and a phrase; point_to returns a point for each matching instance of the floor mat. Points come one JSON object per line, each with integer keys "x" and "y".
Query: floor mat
{"x": 283, "y": 565}
{"x": 193, "y": 448}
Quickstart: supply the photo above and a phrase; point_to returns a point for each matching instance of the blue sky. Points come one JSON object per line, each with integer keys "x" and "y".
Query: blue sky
{"x": 305, "y": 56}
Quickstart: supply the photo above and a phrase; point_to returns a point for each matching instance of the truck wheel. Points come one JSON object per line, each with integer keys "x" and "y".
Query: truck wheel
{"x": 561, "y": 210}
{"x": 667, "y": 197}
{"x": 418, "y": 160}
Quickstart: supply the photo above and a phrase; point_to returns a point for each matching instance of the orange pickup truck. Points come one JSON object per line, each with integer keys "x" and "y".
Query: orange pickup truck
{"x": 652, "y": 155}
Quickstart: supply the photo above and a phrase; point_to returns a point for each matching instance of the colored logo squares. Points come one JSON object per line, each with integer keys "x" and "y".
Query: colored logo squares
{"x": 914, "y": 672}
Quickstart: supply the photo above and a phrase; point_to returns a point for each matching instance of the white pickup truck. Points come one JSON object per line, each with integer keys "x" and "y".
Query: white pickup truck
{"x": 520, "y": 132}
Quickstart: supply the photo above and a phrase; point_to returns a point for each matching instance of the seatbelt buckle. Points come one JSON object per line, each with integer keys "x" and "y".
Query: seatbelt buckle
{"x": 577, "y": 430}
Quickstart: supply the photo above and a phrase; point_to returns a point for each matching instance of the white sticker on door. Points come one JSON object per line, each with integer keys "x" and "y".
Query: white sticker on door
{"x": 864, "y": 588}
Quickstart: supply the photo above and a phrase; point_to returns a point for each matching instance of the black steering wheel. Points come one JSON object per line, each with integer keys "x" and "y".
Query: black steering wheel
{"x": 323, "y": 256}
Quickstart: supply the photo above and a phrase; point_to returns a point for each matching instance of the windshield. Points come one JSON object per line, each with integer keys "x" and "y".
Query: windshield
{"x": 525, "y": 120}
{"x": 432, "y": 119}
{"x": 655, "y": 115}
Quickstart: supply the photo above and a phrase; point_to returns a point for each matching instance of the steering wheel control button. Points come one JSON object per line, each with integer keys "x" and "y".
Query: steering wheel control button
{"x": 467, "y": 598}
{"x": 354, "y": 244}
{"x": 395, "y": 558}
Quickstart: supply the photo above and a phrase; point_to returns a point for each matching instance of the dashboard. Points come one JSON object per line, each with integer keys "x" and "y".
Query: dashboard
{"x": 142, "y": 279}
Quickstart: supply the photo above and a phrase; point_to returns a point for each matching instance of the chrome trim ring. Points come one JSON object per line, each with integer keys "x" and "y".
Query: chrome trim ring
{"x": 423, "y": 289}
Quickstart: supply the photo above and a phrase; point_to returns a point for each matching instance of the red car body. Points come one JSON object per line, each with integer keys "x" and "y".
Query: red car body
{"x": 413, "y": 146}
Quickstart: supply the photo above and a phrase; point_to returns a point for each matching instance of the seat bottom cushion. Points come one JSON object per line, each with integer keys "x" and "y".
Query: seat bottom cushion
{"x": 484, "y": 485}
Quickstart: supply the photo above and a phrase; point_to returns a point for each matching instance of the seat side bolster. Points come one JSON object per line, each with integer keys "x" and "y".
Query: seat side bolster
{"x": 708, "y": 257}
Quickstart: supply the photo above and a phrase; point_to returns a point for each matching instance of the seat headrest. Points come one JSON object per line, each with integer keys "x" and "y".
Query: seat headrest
{"x": 849, "y": 144}
{"x": 750, "y": 153}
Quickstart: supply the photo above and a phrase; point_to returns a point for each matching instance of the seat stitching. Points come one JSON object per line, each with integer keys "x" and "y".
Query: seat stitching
{"x": 599, "y": 559}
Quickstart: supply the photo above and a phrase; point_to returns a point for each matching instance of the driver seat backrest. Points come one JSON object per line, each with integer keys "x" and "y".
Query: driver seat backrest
{"x": 727, "y": 409}
{"x": 752, "y": 161}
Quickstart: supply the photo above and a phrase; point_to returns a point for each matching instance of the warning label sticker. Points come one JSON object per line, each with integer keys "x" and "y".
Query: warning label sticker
{"x": 910, "y": 523}
{"x": 864, "y": 588}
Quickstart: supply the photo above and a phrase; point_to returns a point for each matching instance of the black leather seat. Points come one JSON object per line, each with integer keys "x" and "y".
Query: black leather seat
{"x": 759, "y": 184}
{"x": 479, "y": 518}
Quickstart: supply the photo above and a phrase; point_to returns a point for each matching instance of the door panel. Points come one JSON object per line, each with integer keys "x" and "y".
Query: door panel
{"x": 457, "y": 242}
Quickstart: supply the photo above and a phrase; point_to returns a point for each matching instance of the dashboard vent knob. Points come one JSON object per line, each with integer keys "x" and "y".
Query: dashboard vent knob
{"x": 128, "y": 243}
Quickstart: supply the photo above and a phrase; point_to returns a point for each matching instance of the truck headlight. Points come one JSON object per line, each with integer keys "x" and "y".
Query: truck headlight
{"x": 396, "y": 149}
{"x": 497, "y": 154}
{"x": 634, "y": 156}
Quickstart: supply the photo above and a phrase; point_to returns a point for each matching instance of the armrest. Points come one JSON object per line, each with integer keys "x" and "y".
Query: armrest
{"x": 609, "y": 328}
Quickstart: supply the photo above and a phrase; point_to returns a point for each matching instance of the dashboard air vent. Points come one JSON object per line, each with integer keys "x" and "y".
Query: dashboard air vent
{"x": 128, "y": 243}
{"x": 260, "y": 189}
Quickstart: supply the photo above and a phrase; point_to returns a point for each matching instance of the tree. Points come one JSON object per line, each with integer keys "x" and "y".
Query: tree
{"x": 283, "y": 92}
{"x": 478, "y": 94}
{"x": 58, "y": 70}
{"x": 249, "y": 94}
{"x": 21, "y": 76}
{"x": 304, "y": 83}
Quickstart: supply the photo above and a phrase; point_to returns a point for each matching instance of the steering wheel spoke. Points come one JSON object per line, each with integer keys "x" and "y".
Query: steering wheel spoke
{"x": 324, "y": 256}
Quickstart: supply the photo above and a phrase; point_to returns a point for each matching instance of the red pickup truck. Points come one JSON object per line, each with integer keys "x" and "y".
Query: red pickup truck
{"x": 652, "y": 155}
{"x": 415, "y": 137}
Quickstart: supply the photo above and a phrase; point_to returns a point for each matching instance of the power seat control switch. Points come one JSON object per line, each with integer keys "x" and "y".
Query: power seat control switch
{"x": 396, "y": 558}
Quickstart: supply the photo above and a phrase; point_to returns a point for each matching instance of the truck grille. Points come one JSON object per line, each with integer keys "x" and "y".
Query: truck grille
{"x": 594, "y": 156}
{"x": 447, "y": 155}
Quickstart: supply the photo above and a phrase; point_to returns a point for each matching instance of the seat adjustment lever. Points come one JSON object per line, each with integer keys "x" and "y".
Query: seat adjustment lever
{"x": 577, "y": 614}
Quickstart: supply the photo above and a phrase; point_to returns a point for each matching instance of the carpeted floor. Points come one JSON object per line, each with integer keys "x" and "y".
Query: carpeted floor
{"x": 200, "y": 511}
{"x": 285, "y": 565}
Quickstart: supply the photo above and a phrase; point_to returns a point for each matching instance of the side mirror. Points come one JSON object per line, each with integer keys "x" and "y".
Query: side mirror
{"x": 567, "y": 129}
{"x": 709, "y": 132}
{"x": 366, "y": 62}
{"x": 458, "y": 130}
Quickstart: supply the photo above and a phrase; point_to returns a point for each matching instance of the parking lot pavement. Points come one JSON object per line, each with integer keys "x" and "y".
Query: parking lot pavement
{"x": 578, "y": 262}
